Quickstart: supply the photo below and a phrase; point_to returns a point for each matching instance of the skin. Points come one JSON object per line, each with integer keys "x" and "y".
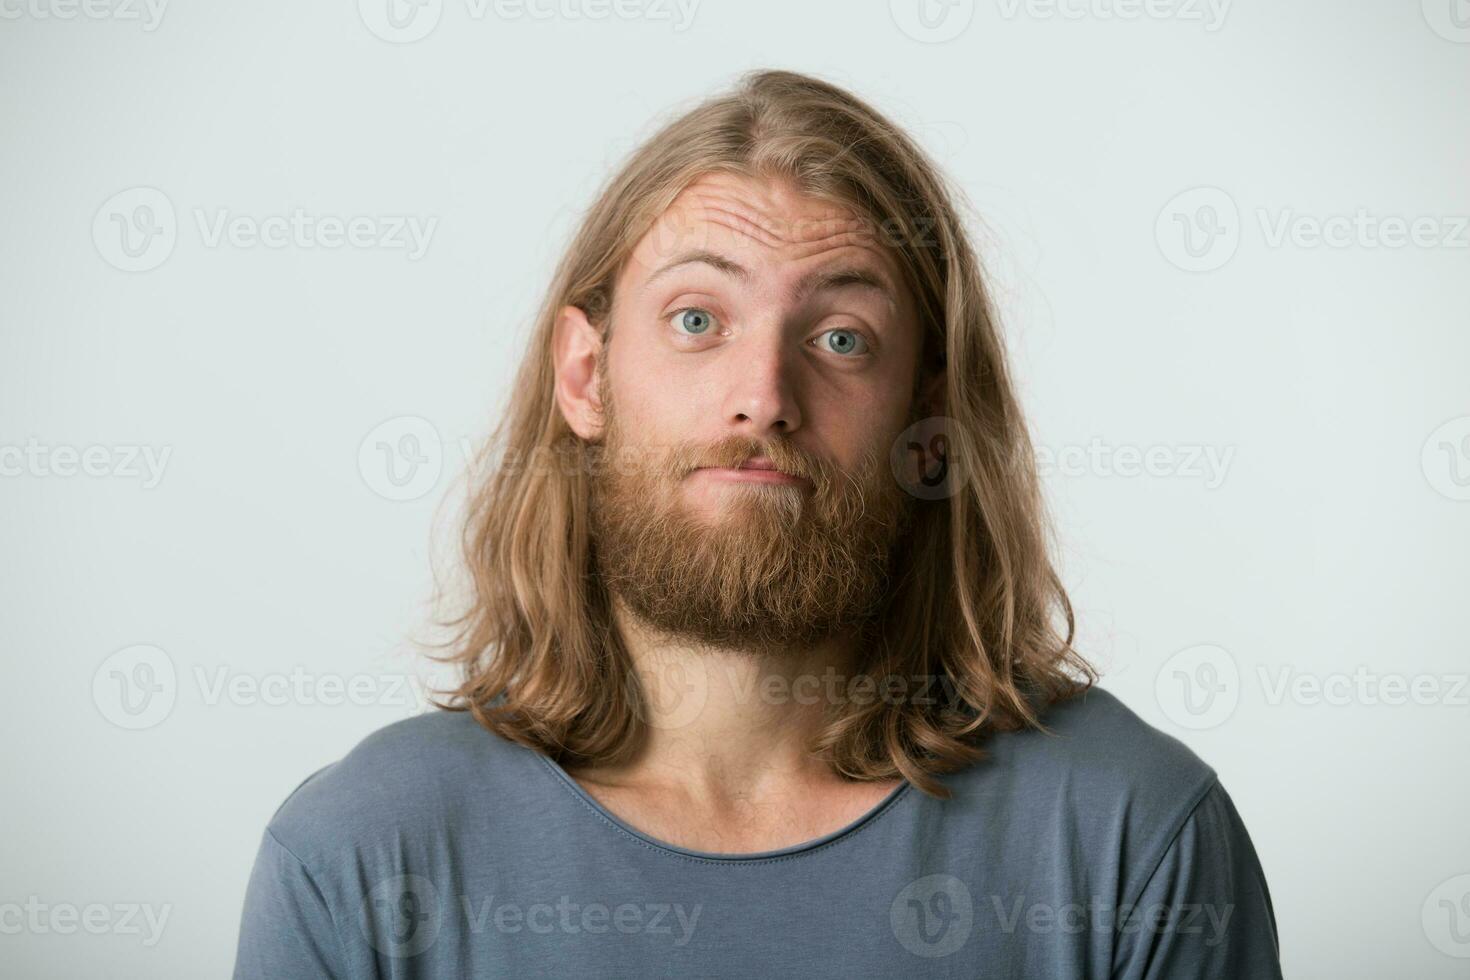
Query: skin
{"x": 831, "y": 372}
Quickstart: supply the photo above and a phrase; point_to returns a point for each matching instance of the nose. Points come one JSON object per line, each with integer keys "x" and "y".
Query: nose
{"x": 761, "y": 398}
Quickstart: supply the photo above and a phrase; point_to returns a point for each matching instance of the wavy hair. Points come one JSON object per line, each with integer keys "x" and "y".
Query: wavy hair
{"x": 975, "y": 601}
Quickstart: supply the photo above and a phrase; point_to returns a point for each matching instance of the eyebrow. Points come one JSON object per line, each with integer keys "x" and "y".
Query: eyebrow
{"x": 814, "y": 282}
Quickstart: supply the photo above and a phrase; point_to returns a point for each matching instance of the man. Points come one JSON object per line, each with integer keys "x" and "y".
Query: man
{"x": 766, "y": 671}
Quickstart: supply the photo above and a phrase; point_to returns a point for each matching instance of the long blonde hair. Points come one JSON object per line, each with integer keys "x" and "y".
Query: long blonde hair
{"x": 975, "y": 603}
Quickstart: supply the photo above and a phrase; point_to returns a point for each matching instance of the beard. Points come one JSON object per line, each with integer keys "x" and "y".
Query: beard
{"x": 775, "y": 568}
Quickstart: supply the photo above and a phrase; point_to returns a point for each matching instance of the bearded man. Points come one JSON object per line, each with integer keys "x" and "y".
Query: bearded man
{"x": 765, "y": 668}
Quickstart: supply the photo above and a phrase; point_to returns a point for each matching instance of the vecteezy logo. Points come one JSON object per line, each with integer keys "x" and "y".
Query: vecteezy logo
{"x": 1446, "y": 458}
{"x": 400, "y": 916}
{"x": 135, "y": 230}
{"x": 1199, "y": 686}
{"x": 400, "y": 21}
{"x": 1199, "y": 229}
{"x": 136, "y": 687}
{"x": 1450, "y": 19}
{"x": 674, "y": 694}
{"x": 401, "y": 459}
{"x": 1446, "y": 917}
{"x": 932, "y": 21}
{"x": 923, "y": 459}
{"x": 933, "y": 916}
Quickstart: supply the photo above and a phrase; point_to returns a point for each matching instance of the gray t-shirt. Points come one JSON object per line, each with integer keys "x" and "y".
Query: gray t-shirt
{"x": 435, "y": 848}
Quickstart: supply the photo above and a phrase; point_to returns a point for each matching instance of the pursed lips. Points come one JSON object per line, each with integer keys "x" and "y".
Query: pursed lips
{"x": 757, "y": 469}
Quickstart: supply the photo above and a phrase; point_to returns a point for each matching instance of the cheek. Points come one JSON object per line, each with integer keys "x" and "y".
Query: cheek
{"x": 664, "y": 391}
{"x": 651, "y": 406}
{"x": 857, "y": 420}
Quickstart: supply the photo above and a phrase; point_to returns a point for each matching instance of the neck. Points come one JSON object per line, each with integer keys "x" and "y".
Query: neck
{"x": 728, "y": 724}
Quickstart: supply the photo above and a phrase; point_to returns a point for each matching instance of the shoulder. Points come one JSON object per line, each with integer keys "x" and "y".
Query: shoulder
{"x": 1097, "y": 738}
{"x": 1098, "y": 774}
{"x": 421, "y": 772}
{"x": 1101, "y": 745}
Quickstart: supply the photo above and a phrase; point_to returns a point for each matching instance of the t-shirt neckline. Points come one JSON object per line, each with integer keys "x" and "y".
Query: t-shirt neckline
{"x": 793, "y": 850}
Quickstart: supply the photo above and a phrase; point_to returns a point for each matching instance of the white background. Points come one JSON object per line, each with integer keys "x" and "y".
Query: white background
{"x": 1332, "y": 547}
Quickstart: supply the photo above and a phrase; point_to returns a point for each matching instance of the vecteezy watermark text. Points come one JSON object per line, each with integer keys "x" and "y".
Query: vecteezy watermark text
{"x": 1210, "y": 13}
{"x": 38, "y": 918}
{"x": 148, "y": 12}
{"x": 137, "y": 687}
{"x": 1200, "y": 687}
{"x": 122, "y": 461}
{"x": 402, "y": 916}
{"x": 137, "y": 229}
{"x": 1196, "y": 462}
{"x": 1200, "y": 229}
{"x": 406, "y": 21}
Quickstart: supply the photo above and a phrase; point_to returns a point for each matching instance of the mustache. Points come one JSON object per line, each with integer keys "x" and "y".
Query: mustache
{"x": 735, "y": 451}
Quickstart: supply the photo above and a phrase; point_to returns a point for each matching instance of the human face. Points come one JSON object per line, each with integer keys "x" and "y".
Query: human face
{"x": 750, "y": 310}
{"x": 753, "y": 325}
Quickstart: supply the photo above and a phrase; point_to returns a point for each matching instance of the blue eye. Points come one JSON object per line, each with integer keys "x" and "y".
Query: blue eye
{"x": 845, "y": 341}
{"x": 694, "y": 320}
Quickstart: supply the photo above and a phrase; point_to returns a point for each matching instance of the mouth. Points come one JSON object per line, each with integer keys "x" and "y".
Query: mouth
{"x": 757, "y": 469}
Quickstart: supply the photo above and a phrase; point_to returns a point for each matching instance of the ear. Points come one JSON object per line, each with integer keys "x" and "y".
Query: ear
{"x": 575, "y": 344}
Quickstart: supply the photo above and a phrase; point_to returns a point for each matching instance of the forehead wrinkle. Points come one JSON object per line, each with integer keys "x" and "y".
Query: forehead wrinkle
{"x": 836, "y": 276}
{"x": 765, "y": 213}
{"x": 830, "y": 243}
{"x": 755, "y": 217}
{"x": 713, "y": 203}
{"x": 742, "y": 225}
{"x": 806, "y": 248}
